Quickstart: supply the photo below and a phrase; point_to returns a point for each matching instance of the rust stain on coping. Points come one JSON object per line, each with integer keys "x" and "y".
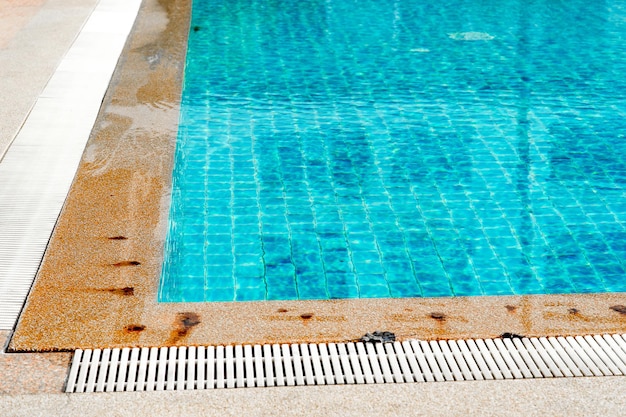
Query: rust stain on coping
{"x": 183, "y": 325}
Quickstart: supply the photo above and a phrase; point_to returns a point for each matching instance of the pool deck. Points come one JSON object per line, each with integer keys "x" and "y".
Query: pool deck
{"x": 107, "y": 286}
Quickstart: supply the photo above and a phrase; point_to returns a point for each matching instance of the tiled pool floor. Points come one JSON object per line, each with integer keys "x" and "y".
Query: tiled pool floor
{"x": 97, "y": 286}
{"x": 433, "y": 165}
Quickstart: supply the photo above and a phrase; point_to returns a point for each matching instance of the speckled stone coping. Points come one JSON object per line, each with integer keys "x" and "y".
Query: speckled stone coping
{"x": 97, "y": 286}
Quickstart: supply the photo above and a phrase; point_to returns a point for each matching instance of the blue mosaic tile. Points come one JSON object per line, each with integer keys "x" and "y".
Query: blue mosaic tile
{"x": 442, "y": 163}
{"x": 313, "y": 293}
{"x": 374, "y": 291}
{"x": 615, "y": 283}
{"x": 342, "y": 291}
{"x": 467, "y": 289}
{"x": 219, "y": 294}
{"x": 277, "y": 291}
{"x": 190, "y": 295}
{"x": 249, "y": 294}
{"x": 431, "y": 289}
{"x": 496, "y": 288}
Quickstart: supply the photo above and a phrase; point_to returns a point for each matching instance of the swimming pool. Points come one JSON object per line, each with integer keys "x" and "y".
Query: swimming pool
{"x": 343, "y": 149}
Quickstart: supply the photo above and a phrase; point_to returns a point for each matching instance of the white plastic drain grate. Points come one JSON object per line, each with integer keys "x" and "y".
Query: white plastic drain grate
{"x": 189, "y": 368}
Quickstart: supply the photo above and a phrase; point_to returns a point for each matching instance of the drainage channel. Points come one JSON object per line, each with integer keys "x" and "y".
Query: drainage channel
{"x": 212, "y": 367}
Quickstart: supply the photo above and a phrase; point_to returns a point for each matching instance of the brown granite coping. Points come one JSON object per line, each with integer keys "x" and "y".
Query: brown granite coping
{"x": 97, "y": 286}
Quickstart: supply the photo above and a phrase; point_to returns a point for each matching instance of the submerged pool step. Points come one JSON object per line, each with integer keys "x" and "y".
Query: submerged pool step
{"x": 209, "y": 367}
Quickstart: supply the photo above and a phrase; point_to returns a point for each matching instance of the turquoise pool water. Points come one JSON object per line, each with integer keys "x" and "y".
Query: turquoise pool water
{"x": 377, "y": 148}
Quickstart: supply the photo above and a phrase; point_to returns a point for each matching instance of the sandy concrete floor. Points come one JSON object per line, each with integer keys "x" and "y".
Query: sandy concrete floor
{"x": 98, "y": 283}
{"x": 32, "y": 373}
{"x": 34, "y": 37}
{"x": 562, "y": 397}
